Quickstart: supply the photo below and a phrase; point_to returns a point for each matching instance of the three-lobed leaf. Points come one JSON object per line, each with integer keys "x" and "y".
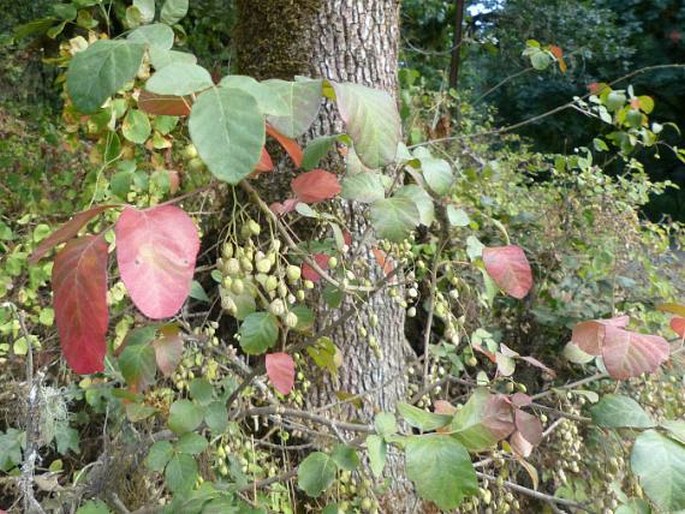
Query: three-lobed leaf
{"x": 79, "y": 283}
{"x": 156, "y": 253}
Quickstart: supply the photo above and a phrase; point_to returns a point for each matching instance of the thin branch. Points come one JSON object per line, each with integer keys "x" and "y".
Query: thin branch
{"x": 551, "y": 500}
{"x": 294, "y": 413}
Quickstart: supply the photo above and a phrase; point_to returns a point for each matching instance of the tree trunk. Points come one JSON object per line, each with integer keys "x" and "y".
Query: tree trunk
{"x": 348, "y": 41}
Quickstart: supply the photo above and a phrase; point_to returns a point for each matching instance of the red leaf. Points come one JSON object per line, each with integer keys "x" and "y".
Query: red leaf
{"x": 497, "y": 416}
{"x": 168, "y": 105}
{"x": 520, "y": 445}
{"x": 529, "y": 426}
{"x": 168, "y": 349}
{"x": 156, "y": 252}
{"x": 285, "y": 207}
{"x": 589, "y": 335}
{"x": 290, "y": 145}
{"x": 678, "y": 325}
{"x": 509, "y": 268}
{"x": 316, "y": 186}
{"x": 556, "y": 51}
{"x": 280, "y": 368}
{"x": 629, "y": 354}
{"x": 79, "y": 282}
{"x": 308, "y": 272}
{"x": 66, "y": 231}
{"x": 383, "y": 261}
{"x": 265, "y": 163}
{"x": 520, "y": 399}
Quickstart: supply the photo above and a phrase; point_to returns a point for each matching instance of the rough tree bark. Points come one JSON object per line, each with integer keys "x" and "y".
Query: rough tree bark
{"x": 354, "y": 41}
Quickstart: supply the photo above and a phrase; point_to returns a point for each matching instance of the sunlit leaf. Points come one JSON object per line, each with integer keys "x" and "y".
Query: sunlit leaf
{"x": 156, "y": 252}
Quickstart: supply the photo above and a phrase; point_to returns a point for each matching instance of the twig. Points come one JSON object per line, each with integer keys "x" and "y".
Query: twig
{"x": 284, "y": 411}
{"x": 28, "y": 468}
{"x": 551, "y": 500}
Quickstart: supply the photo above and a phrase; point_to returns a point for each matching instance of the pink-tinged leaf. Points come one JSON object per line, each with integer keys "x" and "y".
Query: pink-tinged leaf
{"x": 167, "y": 105}
{"x": 290, "y": 145}
{"x": 629, "y": 354}
{"x": 529, "y": 426}
{"x": 67, "y": 231}
{"x": 168, "y": 349}
{"x": 589, "y": 335}
{"x": 280, "y": 368}
{"x": 497, "y": 416}
{"x": 156, "y": 252}
{"x": 520, "y": 445}
{"x": 678, "y": 326}
{"x": 79, "y": 282}
{"x": 444, "y": 407}
{"x": 308, "y": 273}
{"x": 281, "y": 208}
{"x": 509, "y": 268}
{"x": 383, "y": 261}
{"x": 534, "y": 362}
{"x": 316, "y": 186}
{"x": 520, "y": 400}
{"x": 265, "y": 163}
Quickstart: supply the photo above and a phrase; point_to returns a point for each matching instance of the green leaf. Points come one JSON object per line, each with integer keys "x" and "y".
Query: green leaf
{"x": 216, "y": 417}
{"x": 363, "y": 187}
{"x": 258, "y": 333}
{"x": 184, "y": 416}
{"x": 191, "y": 443}
{"x": 10, "y": 448}
{"x": 173, "y": 11}
{"x": 101, "y": 70}
{"x": 180, "y": 79}
{"x": 201, "y": 391}
{"x": 146, "y": 9}
{"x": 156, "y": 35}
{"x": 345, "y": 457}
{"x": 457, "y": 217}
{"x": 441, "y": 470}
{"x": 540, "y": 60}
{"x": 136, "y": 127}
{"x": 372, "y": 121}
{"x": 305, "y": 318}
{"x": 378, "y": 449}
{"x": 160, "y": 58}
{"x": 94, "y": 507}
{"x": 228, "y": 131}
{"x": 421, "y": 419}
{"x": 181, "y": 473}
{"x": 394, "y": 218}
{"x": 423, "y": 201}
{"x": 659, "y": 462}
{"x": 198, "y": 292}
{"x": 159, "y": 455}
{"x": 268, "y": 103}
{"x": 138, "y": 365}
{"x": 316, "y": 473}
{"x": 316, "y": 150}
{"x": 436, "y": 172}
{"x": 615, "y": 411}
{"x": 385, "y": 424}
{"x": 675, "y": 428}
{"x": 302, "y": 99}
